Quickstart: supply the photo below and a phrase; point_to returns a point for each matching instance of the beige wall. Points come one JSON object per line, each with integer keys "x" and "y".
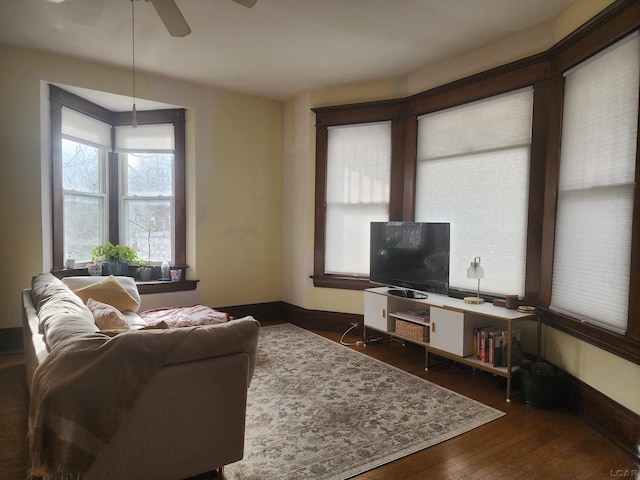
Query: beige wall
{"x": 234, "y": 180}
{"x": 605, "y": 372}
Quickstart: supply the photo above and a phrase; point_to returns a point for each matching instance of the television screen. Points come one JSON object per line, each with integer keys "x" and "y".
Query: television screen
{"x": 411, "y": 255}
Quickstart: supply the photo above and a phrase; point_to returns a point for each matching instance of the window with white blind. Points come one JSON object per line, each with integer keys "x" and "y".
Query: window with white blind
{"x": 147, "y": 158}
{"x": 113, "y": 182}
{"x": 85, "y": 145}
{"x": 146, "y": 180}
{"x": 357, "y": 193}
{"x": 591, "y": 267}
{"x": 473, "y": 172}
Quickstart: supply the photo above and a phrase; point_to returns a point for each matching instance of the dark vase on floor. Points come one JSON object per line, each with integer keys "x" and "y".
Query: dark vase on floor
{"x": 542, "y": 384}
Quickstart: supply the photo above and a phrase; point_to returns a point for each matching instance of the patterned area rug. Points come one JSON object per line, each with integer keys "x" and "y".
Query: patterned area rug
{"x": 319, "y": 410}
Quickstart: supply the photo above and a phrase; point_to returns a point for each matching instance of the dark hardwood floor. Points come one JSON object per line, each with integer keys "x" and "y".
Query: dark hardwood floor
{"x": 526, "y": 443}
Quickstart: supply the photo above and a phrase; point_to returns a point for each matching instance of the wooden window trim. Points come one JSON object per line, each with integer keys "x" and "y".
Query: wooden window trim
{"x": 543, "y": 71}
{"x": 345, "y": 115}
{"x": 58, "y": 99}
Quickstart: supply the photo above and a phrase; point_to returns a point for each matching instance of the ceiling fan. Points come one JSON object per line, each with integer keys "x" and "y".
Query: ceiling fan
{"x": 172, "y": 17}
{"x": 174, "y": 21}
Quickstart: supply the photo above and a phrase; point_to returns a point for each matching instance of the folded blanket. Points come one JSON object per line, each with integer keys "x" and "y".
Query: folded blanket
{"x": 83, "y": 391}
{"x": 188, "y": 316}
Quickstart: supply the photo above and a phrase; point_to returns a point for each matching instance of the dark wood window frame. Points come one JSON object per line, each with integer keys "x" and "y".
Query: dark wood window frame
{"x": 59, "y": 98}
{"x": 545, "y": 73}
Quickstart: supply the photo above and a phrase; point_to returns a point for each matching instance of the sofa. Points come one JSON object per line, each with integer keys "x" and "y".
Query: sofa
{"x": 132, "y": 402}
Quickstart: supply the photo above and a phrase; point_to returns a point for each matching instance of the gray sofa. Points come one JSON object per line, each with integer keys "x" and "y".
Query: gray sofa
{"x": 162, "y": 404}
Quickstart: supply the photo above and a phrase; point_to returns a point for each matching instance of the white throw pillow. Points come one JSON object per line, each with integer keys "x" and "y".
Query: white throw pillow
{"x": 106, "y": 316}
{"x": 128, "y": 283}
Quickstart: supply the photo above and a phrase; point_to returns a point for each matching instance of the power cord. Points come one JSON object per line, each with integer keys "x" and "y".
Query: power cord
{"x": 356, "y": 344}
{"x": 360, "y": 343}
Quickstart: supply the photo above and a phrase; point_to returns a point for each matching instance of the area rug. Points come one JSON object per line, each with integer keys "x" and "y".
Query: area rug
{"x": 319, "y": 410}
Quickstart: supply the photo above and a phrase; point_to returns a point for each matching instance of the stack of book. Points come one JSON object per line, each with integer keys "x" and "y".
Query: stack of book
{"x": 490, "y": 343}
{"x": 419, "y": 314}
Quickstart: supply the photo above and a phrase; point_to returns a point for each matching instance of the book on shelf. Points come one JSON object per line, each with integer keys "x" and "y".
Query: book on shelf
{"x": 477, "y": 340}
{"x": 497, "y": 341}
{"x": 483, "y": 342}
{"x": 486, "y": 344}
{"x": 516, "y": 348}
{"x": 494, "y": 342}
{"x": 418, "y": 315}
{"x": 490, "y": 346}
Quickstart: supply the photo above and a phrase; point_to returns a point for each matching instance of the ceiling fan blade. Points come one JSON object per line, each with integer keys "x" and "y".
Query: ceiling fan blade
{"x": 171, "y": 17}
{"x": 246, "y": 3}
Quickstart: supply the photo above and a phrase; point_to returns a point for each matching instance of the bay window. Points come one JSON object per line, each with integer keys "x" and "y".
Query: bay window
{"x": 113, "y": 182}
{"x": 534, "y": 165}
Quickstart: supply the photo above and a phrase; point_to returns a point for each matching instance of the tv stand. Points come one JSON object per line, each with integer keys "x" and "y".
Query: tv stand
{"x": 444, "y": 326}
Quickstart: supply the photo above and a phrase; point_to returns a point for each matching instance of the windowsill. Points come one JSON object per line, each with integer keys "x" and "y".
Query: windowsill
{"x": 144, "y": 288}
{"x": 345, "y": 283}
{"x": 601, "y": 338}
{"x": 157, "y": 286}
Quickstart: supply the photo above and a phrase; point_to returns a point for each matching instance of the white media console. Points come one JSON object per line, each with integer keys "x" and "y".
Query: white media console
{"x": 449, "y": 325}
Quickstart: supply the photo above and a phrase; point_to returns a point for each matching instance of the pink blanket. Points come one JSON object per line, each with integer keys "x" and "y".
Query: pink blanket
{"x": 190, "y": 316}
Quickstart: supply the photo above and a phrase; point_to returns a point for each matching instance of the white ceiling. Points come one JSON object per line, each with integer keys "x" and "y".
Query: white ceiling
{"x": 278, "y": 47}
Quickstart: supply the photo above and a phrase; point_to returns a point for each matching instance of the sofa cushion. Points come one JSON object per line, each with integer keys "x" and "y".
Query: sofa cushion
{"x": 111, "y": 292}
{"x": 218, "y": 339}
{"x": 62, "y": 315}
{"x": 128, "y": 283}
{"x": 106, "y": 316}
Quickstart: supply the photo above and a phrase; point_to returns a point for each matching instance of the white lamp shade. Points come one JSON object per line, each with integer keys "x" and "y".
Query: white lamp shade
{"x": 475, "y": 271}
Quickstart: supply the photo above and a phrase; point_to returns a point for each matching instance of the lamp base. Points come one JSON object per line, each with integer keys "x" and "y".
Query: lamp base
{"x": 474, "y": 300}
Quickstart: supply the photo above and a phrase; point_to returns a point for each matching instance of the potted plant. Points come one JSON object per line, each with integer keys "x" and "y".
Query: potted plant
{"x": 541, "y": 383}
{"x": 144, "y": 271}
{"x": 115, "y": 258}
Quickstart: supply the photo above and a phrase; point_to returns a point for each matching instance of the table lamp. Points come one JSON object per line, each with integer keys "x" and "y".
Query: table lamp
{"x": 475, "y": 271}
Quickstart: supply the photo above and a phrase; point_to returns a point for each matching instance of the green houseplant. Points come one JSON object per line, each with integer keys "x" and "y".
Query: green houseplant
{"x": 144, "y": 271}
{"x": 115, "y": 258}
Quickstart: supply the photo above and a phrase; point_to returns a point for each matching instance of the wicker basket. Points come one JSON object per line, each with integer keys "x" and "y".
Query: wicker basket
{"x": 412, "y": 331}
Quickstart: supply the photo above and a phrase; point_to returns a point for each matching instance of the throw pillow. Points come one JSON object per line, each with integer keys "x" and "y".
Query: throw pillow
{"x": 128, "y": 283}
{"x": 109, "y": 291}
{"x": 106, "y": 316}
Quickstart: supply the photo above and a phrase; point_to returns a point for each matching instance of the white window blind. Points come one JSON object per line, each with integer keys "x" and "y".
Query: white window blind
{"x": 157, "y": 138}
{"x": 358, "y": 178}
{"x": 85, "y": 129}
{"x": 473, "y": 172}
{"x": 596, "y": 187}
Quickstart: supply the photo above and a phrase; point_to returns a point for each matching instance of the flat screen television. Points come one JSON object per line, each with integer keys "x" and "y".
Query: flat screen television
{"x": 411, "y": 255}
